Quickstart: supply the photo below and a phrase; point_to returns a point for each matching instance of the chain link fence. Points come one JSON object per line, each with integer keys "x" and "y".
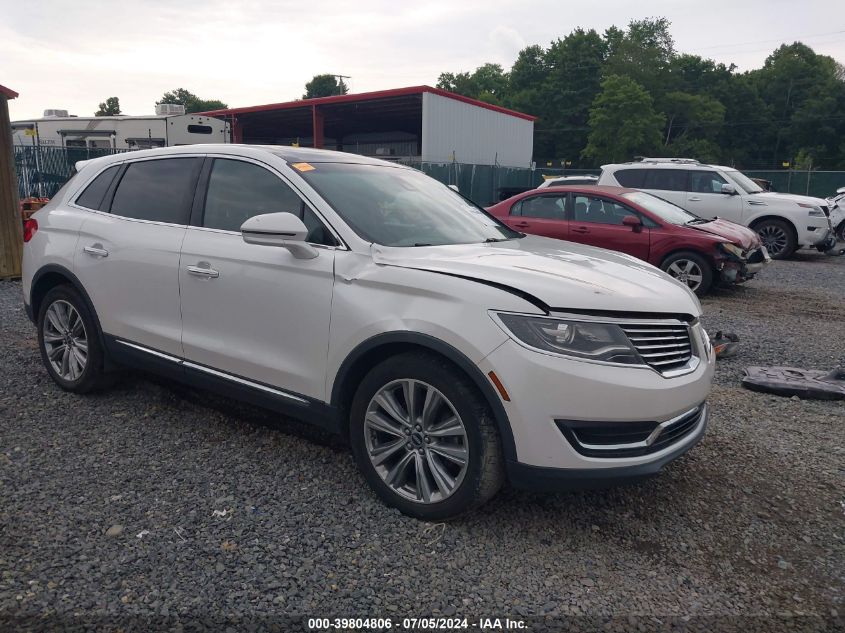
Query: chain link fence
{"x": 43, "y": 170}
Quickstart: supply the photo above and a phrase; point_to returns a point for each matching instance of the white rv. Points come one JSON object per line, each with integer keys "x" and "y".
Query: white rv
{"x": 169, "y": 126}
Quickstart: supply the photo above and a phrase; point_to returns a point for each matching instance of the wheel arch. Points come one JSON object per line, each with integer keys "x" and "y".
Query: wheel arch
{"x": 53, "y": 275}
{"x": 382, "y": 346}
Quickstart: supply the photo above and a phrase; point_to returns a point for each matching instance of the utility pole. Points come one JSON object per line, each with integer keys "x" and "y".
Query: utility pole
{"x": 340, "y": 84}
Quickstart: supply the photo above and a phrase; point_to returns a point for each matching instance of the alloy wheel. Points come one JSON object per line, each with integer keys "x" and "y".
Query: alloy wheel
{"x": 774, "y": 238}
{"x": 416, "y": 441}
{"x": 65, "y": 340}
{"x": 686, "y": 271}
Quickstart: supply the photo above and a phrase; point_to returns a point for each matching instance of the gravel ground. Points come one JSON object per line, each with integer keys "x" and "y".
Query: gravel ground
{"x": 155, "y": 506}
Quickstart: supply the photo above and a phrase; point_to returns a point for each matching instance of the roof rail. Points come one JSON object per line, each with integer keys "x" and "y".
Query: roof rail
{"x": 688, "y": 161}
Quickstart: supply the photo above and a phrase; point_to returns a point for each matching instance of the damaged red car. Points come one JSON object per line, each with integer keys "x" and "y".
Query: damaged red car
{"x": 697, "y": 252}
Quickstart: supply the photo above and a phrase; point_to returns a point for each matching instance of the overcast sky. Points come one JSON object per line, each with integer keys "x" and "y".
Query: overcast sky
{"x": 72, "y": 55}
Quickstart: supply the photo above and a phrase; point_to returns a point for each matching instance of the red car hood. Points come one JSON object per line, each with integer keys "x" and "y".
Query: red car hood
{"x": 731, "y": 232}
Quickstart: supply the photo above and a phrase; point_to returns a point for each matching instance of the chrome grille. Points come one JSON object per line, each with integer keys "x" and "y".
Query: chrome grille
{"x": 663, "y": 346}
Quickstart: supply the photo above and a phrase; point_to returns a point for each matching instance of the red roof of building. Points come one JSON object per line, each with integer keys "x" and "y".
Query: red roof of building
{"x": 8, "y": 92}
{"x": 368, "y": 96}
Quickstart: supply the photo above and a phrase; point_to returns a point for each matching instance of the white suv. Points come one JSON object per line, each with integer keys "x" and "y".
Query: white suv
{"x": 368, "y": 298}
{"x": 785, "y": 222}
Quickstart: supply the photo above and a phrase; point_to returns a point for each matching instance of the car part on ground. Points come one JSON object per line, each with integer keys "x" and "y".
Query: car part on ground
{"x": 373, "y": 301}
{"x": 792, "y": 381}
{"x": 725, "y": 344}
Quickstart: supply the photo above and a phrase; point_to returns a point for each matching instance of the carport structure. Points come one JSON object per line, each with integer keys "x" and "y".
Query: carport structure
{"x": 420, "y": 122}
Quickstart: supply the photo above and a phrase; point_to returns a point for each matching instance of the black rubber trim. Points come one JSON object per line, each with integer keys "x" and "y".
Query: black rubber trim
{"x": 526, "y": 477}
{"x": 493, "y": 284}
{"x": 446, "y": 350}
{"x": 311, "y": 411}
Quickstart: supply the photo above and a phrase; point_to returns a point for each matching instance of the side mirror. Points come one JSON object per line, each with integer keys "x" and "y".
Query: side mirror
{"x": 279, "y": 229}
{"x": 454, "y": 188}
{"x": 728, "y": 189}
{"x": 634, "y": 222}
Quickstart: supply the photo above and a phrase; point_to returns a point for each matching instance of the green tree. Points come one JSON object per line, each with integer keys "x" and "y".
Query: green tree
{"x": 324, "y": 86}
{"x": 488, "y": 82}
{"x": 623, "y": 122}
{"x": 109, "y": 107}
{"x": 643, "y": 52}
{"x": 689, "y": 113}
{"x": 191, "y": 101}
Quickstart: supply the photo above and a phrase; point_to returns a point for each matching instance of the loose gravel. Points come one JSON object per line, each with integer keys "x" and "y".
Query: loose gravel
{"x": 159, "y": 507}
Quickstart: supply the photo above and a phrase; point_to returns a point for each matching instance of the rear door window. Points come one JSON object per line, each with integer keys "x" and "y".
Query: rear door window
{"x": 666, "y": 179}
{"x": 159, "y": 190}
{"x": 551, "y": 207}
{"x": 95, "y": 192}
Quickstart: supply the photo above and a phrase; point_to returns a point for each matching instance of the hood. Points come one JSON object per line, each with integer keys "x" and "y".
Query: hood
{"x": 773, "y": 197}
{"x": 729, "y": 232}
{"x": 563, "y": 275}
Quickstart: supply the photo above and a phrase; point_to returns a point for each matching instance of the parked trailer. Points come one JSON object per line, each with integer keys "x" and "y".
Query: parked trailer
{"x": 119, "y": 132}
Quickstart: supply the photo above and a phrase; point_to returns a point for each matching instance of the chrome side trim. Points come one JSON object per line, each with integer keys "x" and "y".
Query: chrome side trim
{"x": 141, "y": 348}
{"x": 242, "y": 381}
{"x": 651, "y": 438}
{"x": 213, "y": 372}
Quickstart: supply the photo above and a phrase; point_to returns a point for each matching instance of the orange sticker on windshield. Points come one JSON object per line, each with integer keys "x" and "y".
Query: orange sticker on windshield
{"x": 303, "y": 166}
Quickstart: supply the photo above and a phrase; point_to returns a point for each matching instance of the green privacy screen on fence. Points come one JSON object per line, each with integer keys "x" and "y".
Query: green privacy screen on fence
{"x": 43, "y": 170}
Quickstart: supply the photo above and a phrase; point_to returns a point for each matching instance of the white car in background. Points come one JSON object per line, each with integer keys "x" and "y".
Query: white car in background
{"x": 452, "y": 351}
{"x": 568, "y": 180}
{"x": 784, "y": 222}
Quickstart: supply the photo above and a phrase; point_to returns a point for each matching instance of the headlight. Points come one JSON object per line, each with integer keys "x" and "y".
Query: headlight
{"x": 604, "y": 342}
{"x": 733, "y": 249}
{"x": 815, "y": 212}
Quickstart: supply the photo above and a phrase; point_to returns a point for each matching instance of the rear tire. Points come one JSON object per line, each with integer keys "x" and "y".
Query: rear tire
{"x": 69, "y": 341}
{"x": 778, "y": 237}
{"x": 414, "y": 462}
{"x": 691, "y": 269}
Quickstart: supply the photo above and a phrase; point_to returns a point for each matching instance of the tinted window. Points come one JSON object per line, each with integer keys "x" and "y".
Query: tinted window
{"x": 598, "y": 210}
{"x": 706, "y": 182}
{"x": 630, "y": 177}
{"x": 666, "y": 179}
{"x": 158, "y": 190}
{"x": 238, "y": 190}
{"x": 92, "y": 197}
{"x": 544, "y": 207}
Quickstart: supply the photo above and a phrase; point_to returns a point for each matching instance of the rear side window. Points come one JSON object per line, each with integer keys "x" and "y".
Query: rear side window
{"x": 95, "y": 193}
{"x": 666, "y": 179}
{"x": 543, "y": 207}
{"x": 157, "y": 190}
{"x": 630, "y": 177}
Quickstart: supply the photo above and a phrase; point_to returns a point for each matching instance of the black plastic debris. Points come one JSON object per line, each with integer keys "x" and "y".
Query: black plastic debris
{"x": 792, "y": 381}
{"x": 725, "y": 344}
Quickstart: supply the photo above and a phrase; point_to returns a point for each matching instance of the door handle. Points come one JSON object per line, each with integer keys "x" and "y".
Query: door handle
{"x": 694, "y": 199}
{"x": 522, "y": 225}
{"x": 96, "y": 250}
{"x": 204, "y": 271}
{"x": 580, "y": 229}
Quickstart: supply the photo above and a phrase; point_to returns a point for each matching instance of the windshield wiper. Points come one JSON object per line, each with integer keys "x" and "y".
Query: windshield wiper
{"x": 699, "y": 221}
{"x": 497, "y": 239}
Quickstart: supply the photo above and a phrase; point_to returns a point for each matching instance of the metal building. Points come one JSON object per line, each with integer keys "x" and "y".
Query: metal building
{"x": 419, "y": 123}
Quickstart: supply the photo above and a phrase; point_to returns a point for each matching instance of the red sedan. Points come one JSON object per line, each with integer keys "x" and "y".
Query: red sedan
{"x": 695, "y": 251}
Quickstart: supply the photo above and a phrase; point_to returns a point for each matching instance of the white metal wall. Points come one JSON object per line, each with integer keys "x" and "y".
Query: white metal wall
{"x": 475, "y": 135}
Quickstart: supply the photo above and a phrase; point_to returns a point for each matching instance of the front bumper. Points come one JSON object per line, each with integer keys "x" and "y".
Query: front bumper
{"x": 527, "y": 477}
{"x": 546, "y": 389}
{"x": 734, "y": 270}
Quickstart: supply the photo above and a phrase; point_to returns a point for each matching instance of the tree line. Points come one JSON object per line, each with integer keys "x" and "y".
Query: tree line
{"x": 608, "y": 97}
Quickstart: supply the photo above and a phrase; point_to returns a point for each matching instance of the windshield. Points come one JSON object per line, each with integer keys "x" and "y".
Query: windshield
{"x": 394, "y": 206}
{"x": 742, "y": 181}
{"x": 666, "y": 211}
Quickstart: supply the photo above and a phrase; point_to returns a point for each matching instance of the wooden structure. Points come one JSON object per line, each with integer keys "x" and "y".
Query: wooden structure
{"x": 11, "y": 230}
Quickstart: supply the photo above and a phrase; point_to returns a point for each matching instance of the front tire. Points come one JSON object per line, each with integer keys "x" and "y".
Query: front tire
{"x": 424, "y": 438}
{"x": 691, "y": 269}
{"x": 778, "y": 237}
{"x": 69, "y": 341}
